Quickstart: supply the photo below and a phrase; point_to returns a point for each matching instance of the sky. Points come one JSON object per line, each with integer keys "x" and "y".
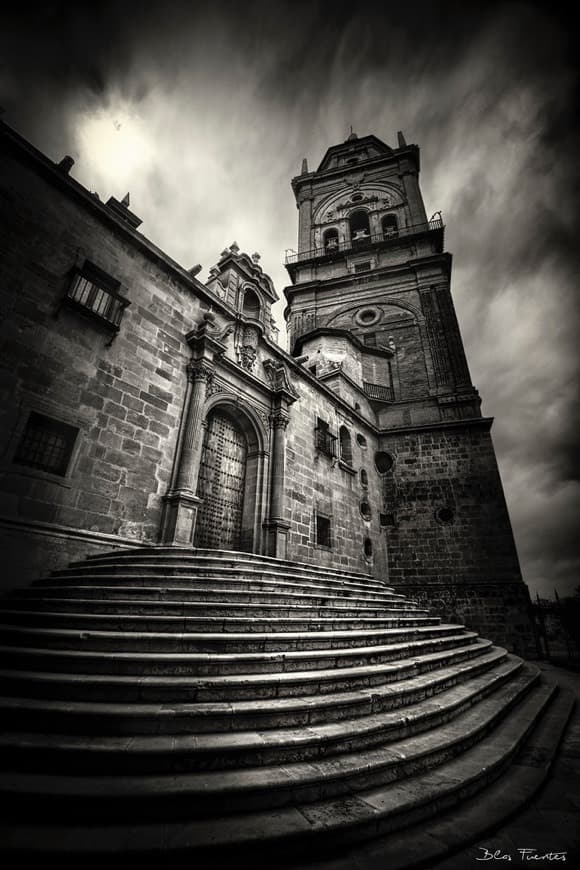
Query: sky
{"x": 203, "y": 111}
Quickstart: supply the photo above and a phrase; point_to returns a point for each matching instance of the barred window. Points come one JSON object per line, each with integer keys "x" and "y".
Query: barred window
{"x": 325, "y": 442}
{"x": 97, "y": 293}
{"x": 46, "y": 444}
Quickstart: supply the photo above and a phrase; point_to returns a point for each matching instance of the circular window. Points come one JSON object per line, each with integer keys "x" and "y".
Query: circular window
{"x": 367, "y": 316}
{"x": 445, "y": 515}
{"x": 356, "y": 197}
{"x": 365, "y": 510}
{"x": 364, "y": 478}
{"x": 361, "y": 440}
{"x": 383, "y": 461}
{"x": 368, "y": 548}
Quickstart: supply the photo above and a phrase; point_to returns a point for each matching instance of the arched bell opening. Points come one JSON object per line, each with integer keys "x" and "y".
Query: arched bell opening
{"x": 390, "y": 226}
{"x": 251, "y": 305}
{"x": 360, "y": 230}
{"x": 330, "y": 241}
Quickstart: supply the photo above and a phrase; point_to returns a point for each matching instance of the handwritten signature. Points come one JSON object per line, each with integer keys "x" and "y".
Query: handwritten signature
{"x": 523, "y": 854}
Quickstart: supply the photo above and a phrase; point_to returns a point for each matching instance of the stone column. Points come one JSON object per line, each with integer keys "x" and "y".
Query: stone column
{"x": 276, "y": 527}
{"x": 181, "y": 502}
{"x": 199, "y": 375}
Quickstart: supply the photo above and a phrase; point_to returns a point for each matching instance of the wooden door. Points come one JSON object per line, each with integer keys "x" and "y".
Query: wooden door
{"x": 221, "y": 483}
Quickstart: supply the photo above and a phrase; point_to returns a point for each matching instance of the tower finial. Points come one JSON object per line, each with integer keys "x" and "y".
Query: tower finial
{"x": 352, "y": 135}
{"x": 304, "y": 166}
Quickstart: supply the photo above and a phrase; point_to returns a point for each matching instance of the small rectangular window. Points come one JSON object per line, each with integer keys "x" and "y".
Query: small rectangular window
{"x": 370, "y": 338}
{"x": 46, "y": 444}
{"x": 325, "y": 442}
{"x": 322, "y": 531}
{"x": 387, "y": 520}
{"x": 362, "y": 267}
{"x": 97, "y": 294}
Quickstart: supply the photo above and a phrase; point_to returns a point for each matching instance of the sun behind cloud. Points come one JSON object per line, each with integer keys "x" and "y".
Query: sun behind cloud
{"x": 116, "y": 143}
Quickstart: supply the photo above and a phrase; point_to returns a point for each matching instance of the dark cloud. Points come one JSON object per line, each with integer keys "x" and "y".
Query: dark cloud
{"x": 205, "y": 110}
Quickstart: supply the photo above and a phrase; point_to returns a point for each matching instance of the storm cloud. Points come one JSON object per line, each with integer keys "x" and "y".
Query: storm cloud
{"x": 203, "y": 111}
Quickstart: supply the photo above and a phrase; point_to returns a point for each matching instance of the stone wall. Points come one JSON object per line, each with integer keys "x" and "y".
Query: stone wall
{"x": 451, "y": 520}
{"x": 316, "y": 482}
{"x": 501, "y": 612}
{"x": 123, "y": 393}
{"x": 32, "y": 549}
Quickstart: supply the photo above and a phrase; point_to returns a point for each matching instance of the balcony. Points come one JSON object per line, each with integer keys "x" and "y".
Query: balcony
{"x": 378, "y": 392}
{"x": 95, "y": 294}
{"x": 366, "y": 242}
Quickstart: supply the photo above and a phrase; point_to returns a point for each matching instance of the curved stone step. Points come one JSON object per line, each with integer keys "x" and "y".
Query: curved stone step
{"x": 190, "y": 592}
{"x": 216, "y": 663}
{"x": 232, "y": 687}
{"x": 136, "y": 717}
{"x": 231, "y": 559}
{"x": 116, "y": 621}
{"x": 212, "y": 614}
{"x": 234, "y": 749}
{"x": 300, "y": 832}
{"x": 45, "y": 637}
{"x": 250, "y": 789}
{"x": 175, "y": 601}
{"x": 219, "y": 578}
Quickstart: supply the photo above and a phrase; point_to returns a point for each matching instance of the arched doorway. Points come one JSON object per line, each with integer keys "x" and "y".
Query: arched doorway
{"x": 222, "y": 484}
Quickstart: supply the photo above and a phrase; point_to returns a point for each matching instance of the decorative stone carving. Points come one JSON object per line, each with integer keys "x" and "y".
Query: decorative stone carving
{"x": 249, "y": 347}
{"x": 279, "y": 420}
{"x": 278, "y": 379}
{"x": 200, "y": 370}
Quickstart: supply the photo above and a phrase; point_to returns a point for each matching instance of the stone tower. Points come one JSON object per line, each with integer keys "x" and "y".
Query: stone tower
{"x": 370, "y": 306}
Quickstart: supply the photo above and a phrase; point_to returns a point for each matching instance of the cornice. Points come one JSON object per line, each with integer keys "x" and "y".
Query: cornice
{"x": 49, "y": 171}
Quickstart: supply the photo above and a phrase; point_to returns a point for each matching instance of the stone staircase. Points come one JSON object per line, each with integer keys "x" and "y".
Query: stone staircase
{"x": 199, "y": 703}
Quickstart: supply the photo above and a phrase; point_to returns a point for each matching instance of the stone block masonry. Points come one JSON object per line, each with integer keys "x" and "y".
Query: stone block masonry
{"x": 320, "y": 484}
{"x": 450, "y": 543}
{"x": 122, "y": 397}
{"x": 451, "y": 521}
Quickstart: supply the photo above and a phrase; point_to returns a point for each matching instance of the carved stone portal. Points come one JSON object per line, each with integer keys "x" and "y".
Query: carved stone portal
{"x": 221, "y": 484}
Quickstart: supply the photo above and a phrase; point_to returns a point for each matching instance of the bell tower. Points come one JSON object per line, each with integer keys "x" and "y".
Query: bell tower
{"x": 370, "y": 316}
{"x": 370, "y": 284}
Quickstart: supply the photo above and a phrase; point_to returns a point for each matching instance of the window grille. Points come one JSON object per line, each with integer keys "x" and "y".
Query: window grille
{"x": 96, "y": 293}
{"x": 46, "y": 444}
{"x": 325, "y": 442}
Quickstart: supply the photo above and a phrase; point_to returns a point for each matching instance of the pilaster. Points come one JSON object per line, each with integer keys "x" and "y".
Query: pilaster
{"x": 181, "y": 502}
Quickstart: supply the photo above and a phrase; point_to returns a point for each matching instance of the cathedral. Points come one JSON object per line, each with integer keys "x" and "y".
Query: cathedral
{"x": 142, "y": 406}
{"x": 260, "y": 607}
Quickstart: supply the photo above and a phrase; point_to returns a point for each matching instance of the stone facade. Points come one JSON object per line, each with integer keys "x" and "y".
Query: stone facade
{"x": 141, "y": 405}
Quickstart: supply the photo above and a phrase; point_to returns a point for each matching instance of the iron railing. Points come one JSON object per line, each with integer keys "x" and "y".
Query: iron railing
{"x": 98, "y": 301}
{"x": 339, "y": 247}
{"x": 379, "y": 392}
